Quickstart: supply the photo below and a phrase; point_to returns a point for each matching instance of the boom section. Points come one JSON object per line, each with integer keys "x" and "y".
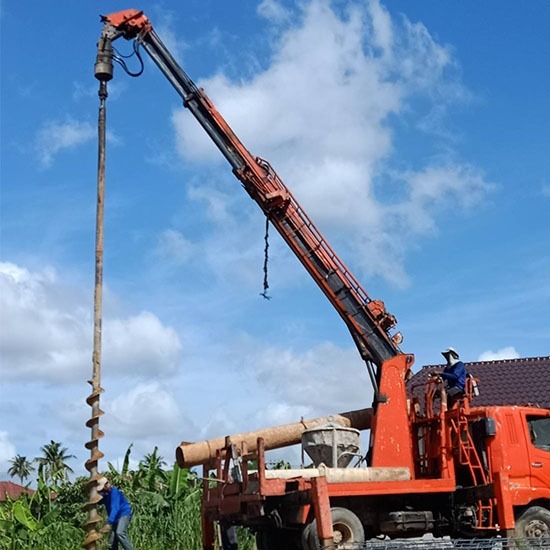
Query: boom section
{"x": 367, "y": 319}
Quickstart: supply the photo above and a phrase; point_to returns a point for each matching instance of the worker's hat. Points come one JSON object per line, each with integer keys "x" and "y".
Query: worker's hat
{"x": 449, "y": 351}
{"x": 101, "y": 482}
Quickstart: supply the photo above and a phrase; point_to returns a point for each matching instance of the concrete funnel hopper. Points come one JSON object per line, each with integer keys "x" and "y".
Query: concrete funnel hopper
{"x": 331, "y": 444}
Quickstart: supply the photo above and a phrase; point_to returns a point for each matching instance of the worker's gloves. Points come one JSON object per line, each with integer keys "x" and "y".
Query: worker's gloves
{"x": 106, "y": 528}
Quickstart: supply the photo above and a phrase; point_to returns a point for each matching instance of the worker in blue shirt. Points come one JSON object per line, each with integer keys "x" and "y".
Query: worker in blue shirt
{"x": 119, "y": 514}
{"x": 454, "y": 375}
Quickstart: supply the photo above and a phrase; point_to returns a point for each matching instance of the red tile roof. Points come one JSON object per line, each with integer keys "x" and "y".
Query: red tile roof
{"x": 523, "y": 381}
{"x": 8, "y": 489}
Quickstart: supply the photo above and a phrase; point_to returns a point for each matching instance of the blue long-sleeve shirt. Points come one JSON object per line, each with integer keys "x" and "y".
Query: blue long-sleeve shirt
{"x": 116, "y": 504}
{"x": 455, "y": 375}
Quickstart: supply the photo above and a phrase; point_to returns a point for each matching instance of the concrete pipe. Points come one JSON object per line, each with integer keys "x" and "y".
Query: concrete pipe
{"x": 193, "y": 454}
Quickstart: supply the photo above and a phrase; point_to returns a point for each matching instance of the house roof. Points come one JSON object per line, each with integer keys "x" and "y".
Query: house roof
{"x": 524, "y": 381}
{"x": 8, "y": 489}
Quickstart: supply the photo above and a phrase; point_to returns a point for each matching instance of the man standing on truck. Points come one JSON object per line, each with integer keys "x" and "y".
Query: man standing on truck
{"x": 454, "y": 375}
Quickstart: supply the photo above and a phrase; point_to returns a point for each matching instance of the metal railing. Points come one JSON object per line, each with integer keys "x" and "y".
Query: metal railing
{"x": 495, "y": 543}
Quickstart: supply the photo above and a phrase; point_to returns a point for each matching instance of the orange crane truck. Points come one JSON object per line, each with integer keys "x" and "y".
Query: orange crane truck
{"x": 458, "y": 471}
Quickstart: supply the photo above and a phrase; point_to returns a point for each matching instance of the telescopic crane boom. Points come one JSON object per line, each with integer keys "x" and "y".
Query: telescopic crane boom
{"x": 367, "y": 319}
{"x": 475, "y": 471}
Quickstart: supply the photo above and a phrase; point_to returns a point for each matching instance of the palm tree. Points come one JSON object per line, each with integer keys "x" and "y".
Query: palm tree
{"x": 52, "y": 465}
{"x": 150, "y": 470}
{"x": 119, "y": 478}
{"x": 20, "y": 467}
{"x": 153, "y": 461}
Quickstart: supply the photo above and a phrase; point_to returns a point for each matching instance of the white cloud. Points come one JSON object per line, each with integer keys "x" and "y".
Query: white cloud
{"x": 322, "y": 116}
{"x": 133, "y": 463}
{"x": 43, "y": 330}
{"x": 55, "y": 137}
{"x": 279, "y": 413}
{"x": 504, "y": 353}
{"x": 145, "y": 414}
{"x": 147, "y": 410}
{"x": 165, "y": 22}
{"x": 7, "y": 451}
{"x": 174, "y": 247}
{"x": 382, "y": 27}
{"x": 232, "y": 249}
{"x": 141, "y": 344}
{"x": 271, "y": 9}
{"x": 448, "y": 186}
{"x": 47, "y": 332}
{"x": 323, "y": 379}
{"x": 218, "y": 424}
{"x": 217, "y": 203}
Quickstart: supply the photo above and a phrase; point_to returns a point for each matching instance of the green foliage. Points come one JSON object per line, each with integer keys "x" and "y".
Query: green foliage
{"x": 113, "y": 472}
{"x": 21, "y": 528}
{"x": 150, "y": 473}
{"x": 20, "y": 467}
{"x": 166, "y": 506}
{"x": 69, "y": 500}
{"x": 280, "y": 465}
{"x": 52, "y": 465}
{"x": 22, "y": 514}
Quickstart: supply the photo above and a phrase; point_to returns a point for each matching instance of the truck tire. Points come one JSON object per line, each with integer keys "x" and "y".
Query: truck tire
{"x": 533, "y": 523}
{"x": 347, "y": 527}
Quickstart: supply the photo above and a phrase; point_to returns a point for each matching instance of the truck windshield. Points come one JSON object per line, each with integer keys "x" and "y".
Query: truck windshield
{"x": 539, "y": 429}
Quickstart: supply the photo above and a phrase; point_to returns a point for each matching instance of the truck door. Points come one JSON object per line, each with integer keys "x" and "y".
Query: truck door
{"x": 539, "y": 449}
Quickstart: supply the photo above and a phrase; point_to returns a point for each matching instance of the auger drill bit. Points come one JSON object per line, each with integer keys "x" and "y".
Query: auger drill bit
{"x": 104, "y": 73}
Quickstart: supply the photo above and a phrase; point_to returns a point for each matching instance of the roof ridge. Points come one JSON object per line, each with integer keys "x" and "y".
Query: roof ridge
{"x": 515, "y": 359}
{"x": 493, "y": 361}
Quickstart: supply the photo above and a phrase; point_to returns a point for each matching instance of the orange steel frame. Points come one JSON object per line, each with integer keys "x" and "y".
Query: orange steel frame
{"x": 447, "y": 443}
{"x": 449, "y": 446}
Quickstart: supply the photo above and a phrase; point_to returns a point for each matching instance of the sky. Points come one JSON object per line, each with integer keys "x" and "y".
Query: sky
{"x": 414, "y": 134}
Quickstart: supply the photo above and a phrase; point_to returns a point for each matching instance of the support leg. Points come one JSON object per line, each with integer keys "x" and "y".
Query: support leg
{"x": 321, "y": 506}
{"x": 208, "y": 534}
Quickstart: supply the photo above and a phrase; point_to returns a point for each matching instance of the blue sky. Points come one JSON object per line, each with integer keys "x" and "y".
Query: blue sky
{"x": 415, "y": 135}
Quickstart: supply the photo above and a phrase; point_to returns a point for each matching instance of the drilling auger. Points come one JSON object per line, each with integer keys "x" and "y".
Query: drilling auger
{"x": 104, "y": 73}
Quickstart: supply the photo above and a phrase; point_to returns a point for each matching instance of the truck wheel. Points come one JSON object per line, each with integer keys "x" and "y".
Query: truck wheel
{"x": 347, "y": 527}
{"x": 306, "y": 537}
{"x": 533, "y": 523}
